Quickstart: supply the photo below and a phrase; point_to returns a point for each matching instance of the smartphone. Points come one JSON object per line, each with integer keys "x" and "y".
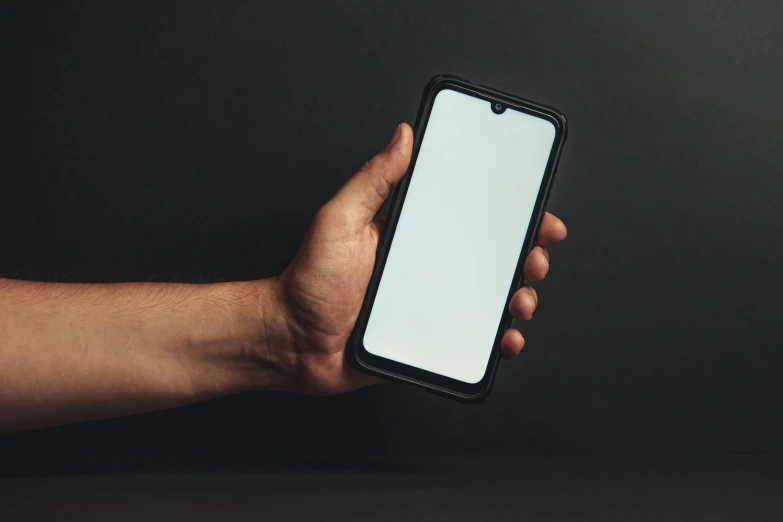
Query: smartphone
{"x": 459, "y": 227}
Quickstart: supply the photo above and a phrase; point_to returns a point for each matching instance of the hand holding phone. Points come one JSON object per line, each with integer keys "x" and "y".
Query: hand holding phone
{"x": 317, "y": 299}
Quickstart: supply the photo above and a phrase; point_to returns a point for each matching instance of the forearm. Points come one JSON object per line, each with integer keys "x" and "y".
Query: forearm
{"x": 76, "y": 352}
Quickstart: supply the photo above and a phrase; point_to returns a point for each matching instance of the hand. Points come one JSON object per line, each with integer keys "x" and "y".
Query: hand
{"x": 321, "y": 292}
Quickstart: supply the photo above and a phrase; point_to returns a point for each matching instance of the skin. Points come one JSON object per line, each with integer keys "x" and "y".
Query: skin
{"x": 78, "y": 352}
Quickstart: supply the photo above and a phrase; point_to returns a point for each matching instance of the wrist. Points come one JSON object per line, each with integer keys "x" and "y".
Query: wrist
{"x": 237, "y": 340}
{"x": 273, "y": 359}
{"x": 265, "y": 348}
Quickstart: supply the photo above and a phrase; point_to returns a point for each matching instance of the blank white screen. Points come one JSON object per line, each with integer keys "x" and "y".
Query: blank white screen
{"x": 459, "y": 237}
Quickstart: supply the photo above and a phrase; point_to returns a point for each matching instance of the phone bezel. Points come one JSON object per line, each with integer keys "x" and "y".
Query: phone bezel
{"x": 394, "y": 370}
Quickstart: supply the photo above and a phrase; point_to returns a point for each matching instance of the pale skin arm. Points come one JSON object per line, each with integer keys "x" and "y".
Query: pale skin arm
{"x": 78, "y": 352}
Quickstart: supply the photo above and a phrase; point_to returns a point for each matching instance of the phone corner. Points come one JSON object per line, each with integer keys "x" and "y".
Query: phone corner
{"x": 474, "y": 398}
{"x": 563, "y": 120}
{"x": 441, "y": 79}
{"x": 558, "y": 118}
{"x": 477, "y": 398}
{"x": 448, "y": 76}
{"x": 352, "y": 354}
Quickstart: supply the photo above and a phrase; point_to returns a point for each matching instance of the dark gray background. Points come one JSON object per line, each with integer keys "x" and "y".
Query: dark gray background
{"x": 532, "y": 489}
{"x": 193, "y": 141}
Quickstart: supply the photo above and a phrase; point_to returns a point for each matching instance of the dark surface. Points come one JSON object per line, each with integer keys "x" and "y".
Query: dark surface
{"x": 194, "y": 141}
{"x": 521, "y": 489}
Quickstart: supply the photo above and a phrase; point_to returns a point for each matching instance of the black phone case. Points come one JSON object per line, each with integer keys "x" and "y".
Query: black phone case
{"x": 354, "y": 346}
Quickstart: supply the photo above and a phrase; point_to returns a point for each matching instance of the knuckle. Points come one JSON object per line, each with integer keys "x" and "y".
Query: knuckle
{"x": 366, "y": 167}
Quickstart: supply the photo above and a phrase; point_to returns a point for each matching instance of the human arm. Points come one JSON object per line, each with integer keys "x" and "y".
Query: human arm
{"x": 77, "y": 352}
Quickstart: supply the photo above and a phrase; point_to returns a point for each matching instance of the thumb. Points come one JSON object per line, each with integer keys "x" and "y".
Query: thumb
{"x": 362, "y": 196}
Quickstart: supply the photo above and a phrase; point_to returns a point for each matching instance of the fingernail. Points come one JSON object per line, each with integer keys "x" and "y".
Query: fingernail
{"x": 395, "y": 137}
